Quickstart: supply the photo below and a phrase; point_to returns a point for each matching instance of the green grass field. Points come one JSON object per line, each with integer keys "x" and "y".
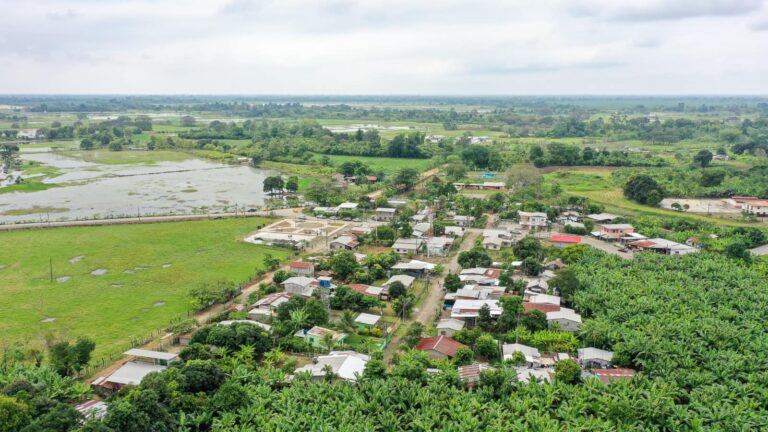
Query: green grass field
{"x": 117, "y": 306}
{"x": 388, "y": 165}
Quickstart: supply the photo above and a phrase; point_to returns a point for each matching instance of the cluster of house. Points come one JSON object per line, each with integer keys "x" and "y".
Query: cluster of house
{"x": 344, "y": 180}
{"x": 481, "y": 288}
{"x": 753, "y": 205}
{"x": 625, "y": 234}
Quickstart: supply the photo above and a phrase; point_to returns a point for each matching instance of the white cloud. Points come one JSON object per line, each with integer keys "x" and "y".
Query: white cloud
{"x": 382, "y": 46}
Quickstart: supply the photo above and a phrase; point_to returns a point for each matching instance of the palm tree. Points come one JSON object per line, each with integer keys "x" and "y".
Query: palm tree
{"x": 298, "y": 319}
{"x": 328, "y": 341}
{"x": 347, "y": 321}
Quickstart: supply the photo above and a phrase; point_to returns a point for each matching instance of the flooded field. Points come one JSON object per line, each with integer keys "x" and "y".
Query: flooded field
{"x": 89, "y": 189}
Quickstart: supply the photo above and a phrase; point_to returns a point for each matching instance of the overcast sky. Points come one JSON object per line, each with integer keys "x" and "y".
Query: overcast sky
{"x": 384, "y": 46}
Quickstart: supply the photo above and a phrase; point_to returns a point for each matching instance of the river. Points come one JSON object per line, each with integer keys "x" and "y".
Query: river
{"x": 94, "y": 190}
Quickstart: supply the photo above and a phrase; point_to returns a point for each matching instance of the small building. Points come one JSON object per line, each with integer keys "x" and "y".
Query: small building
{"x": 449, "y": 326}
{"x": 266, "y": 327}
{"x": 385, "y": 214}
{"x": 405, "y": 246}
{"x": 463, "y": 221}
{"x": 300, "y": 285}
{"x": 615, "y": 231}
{"x": 438, "y": 246}
{"x": 537, "y": 286}
{"x": 454, "y": 231}
{"x": 347, "y": 206}
{"x": 609, "y": 375}
{"x": 663, "y": 246}
{"x": 368, "y": 290}
{"x": 345, "y": 242}
{"x": 563, "y": 240}
{"x": 555, "y": 265}
{"x": 470, "y": 374}
{"x": 302, "y": 268}
{"x": 92, "y": 409}
{"x": 421, "y": 229}
{"x": 346, "y": 365}
{"x": 602, "y": 217}
{"x": 415, "y": 268}
{"x": 439, "y": 347}
{"x": 406, "y": 280}
{"x": 492, "y": 243}
{"x": 533, "y": 220}
{"x": 595, "y": 358}
{"x": 531, "y": 354}
{"x": 565, "y": 320}
{"x": 316, "y": 334}
{"x": 368, "y": 320}
{"x": 469, "y": 309}
{"x": 267, "y": 306}
{"x": 758, "y": 207}
{"x": 132, "y": 372}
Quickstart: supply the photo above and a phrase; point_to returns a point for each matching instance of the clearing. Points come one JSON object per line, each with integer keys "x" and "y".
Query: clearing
{"x": 120, "y": 285}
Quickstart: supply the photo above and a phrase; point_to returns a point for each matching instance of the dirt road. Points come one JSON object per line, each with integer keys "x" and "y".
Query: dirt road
{"x": 422, "y": 178}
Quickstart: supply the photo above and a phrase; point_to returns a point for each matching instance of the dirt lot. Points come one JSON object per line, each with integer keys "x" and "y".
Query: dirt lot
{"x": 701, "y": 205}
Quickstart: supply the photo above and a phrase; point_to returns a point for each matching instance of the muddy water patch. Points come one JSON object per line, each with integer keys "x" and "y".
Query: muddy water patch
{"x": 166, "y": 265}
{"x": 99, "y": 272}
{"x": 158, "y": 303}
{"x": 48, "y": 320}
{"x": 76, "y": 259}
{"x": 62, "y": 279}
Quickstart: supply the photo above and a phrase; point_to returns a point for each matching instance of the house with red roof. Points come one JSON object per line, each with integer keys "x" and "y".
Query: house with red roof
{"x": 563, "y": 240}
{"x": 608, "y": 375}
{"x": 302, "y": 268}
{"x": 439, "y": 347}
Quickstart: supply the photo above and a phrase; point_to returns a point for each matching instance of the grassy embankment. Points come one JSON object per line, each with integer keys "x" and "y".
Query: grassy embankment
{"x": 117, "y": 306}
{"x": 595, "y": 184}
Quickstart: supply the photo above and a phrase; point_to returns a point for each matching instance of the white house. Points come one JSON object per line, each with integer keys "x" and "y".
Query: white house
{"x": 454, "y": 231}
{"x": 267, "y": 306}
{"x": 463, "y": 221}
{"x": 406, "y": 280}
{"x": 347, "y": 365}
{"x": 468, "y": 309}
{"x": 439, "y": 246}
{"x": 533, "y": 220}
{"x": 415, "y": 267}
{"x": 421, "y": 229}
{"x": 368, "y": 320}
{"x": 758, "y": 207}
{"x": 537, "y": 286}
{"x": 531, "y": 354}
{"x": 406, "y": 246}
{"x": 385, "y": 214}
{"x": 602, "y": 217}
{"x": 132, "y": 372}
{"x": 300, "y": 285}
{"x": 566, "y": 319}
{"x": 345, "y": 242}
{"x": 595, "y": 358}
{"x": 449, "y": 326}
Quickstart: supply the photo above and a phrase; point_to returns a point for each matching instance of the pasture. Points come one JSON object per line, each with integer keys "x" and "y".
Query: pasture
{"x": 115, "y": 283}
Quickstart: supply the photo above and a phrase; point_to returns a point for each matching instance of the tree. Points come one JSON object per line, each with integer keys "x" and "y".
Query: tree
{"x": 230, "y": 397}
{"x": 292, "y": 185}
{"x": 347, "y": 321}
{"x": 737, "y": 250}
{"x": 188, "y": 121}
{"x": 202, "y": 376}
{"x": 86, "y": 144}
{"x": 532, "y": 266}
{"x": 703, "y": 158}
{"x": 270, "y": 262}
{"x": 464, "y": 356}
{"x": 404, "y": 179}
{"x": 13, "y": 414}
{"x": 140, "y": 411}
{"x": 566, "y": 283}
{"x": 344, "y": 264}
{"x": 375, "y": 368}
{"x": 452, "y": 282}
{"x": 527, "y": 247}
{"x": 413, "y": 334}
{"x": 484, "y": 320}
{"x": 69, "y": 359}
{"x": 316, "y": 312}
{"x": 534, "y": 320}
{"x": 273, "y": 184}
{"x": 396, "y": 290}
{"x": 281, "y": 275}
{"x": 487, "y": 347}
{"x": 643, "y": 189}
{"x": 511, "y": 308}
{"x": 475, "y": 257}
{"x": 568, "y": 371}
{"x": 456, "y": 171}
{"x": 61, "y": 418}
